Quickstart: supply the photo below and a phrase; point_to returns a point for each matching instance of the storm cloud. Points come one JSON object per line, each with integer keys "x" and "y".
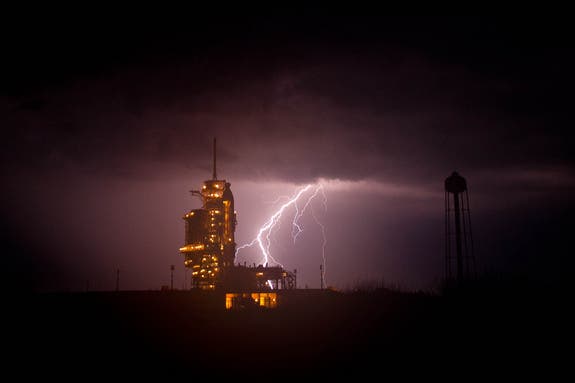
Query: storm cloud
{"x": 125, "y": 119}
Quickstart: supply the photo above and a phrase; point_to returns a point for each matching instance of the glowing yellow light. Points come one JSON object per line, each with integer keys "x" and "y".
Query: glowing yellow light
{"x": 259, "y": 274}
{"x": 191, "y": 248}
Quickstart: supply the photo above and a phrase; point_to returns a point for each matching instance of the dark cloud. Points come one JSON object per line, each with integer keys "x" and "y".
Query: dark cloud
{"x": 390, "y": 121}
{"x": 399, "y": 102}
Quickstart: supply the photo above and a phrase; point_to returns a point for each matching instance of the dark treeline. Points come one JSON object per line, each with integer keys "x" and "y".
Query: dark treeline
{"x": 312, "y": 333}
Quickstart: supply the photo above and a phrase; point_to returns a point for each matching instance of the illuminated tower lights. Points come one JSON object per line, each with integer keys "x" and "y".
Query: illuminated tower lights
{"x": 209, "y": 232}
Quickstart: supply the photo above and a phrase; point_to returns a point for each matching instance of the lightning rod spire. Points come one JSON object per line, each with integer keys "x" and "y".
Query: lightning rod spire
{"x": 214, "y": 174}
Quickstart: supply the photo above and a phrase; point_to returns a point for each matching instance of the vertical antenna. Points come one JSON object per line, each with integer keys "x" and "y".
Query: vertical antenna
{"x": 215, "y": 177}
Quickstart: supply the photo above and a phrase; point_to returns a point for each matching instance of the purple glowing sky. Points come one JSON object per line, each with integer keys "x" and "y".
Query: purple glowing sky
{"x": 103, "y": 140}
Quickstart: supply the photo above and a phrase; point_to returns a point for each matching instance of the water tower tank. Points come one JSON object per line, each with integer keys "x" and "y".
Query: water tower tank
{"x": 459, "y": 258}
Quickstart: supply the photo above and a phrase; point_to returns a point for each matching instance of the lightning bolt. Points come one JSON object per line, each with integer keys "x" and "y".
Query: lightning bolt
{"x": 296, "y": 228}
{"x": 263, "y": 237}
{"x": 324, "y": 243}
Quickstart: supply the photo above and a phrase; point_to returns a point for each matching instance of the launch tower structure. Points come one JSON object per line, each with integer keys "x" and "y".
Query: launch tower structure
{"x": 210, "y": 247}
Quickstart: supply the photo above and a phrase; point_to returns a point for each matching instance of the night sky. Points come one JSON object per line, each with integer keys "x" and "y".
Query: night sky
{"x": 107, "y": 125}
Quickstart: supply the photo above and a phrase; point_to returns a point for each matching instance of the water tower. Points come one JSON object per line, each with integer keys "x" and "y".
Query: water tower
{"x": 459, "y": 257}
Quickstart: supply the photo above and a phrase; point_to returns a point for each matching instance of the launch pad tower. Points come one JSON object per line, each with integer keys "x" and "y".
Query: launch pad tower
{"x": 210, "y": 246}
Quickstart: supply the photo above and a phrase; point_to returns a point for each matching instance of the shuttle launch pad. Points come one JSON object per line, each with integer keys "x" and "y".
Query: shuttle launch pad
{"x": 209, "y": 249}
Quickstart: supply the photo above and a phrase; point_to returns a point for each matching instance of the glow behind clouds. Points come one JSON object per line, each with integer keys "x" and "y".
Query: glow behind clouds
{"x": 101, "y": 143}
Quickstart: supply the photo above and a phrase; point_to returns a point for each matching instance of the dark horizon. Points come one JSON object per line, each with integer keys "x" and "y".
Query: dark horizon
{"x": 105, "y": 129}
